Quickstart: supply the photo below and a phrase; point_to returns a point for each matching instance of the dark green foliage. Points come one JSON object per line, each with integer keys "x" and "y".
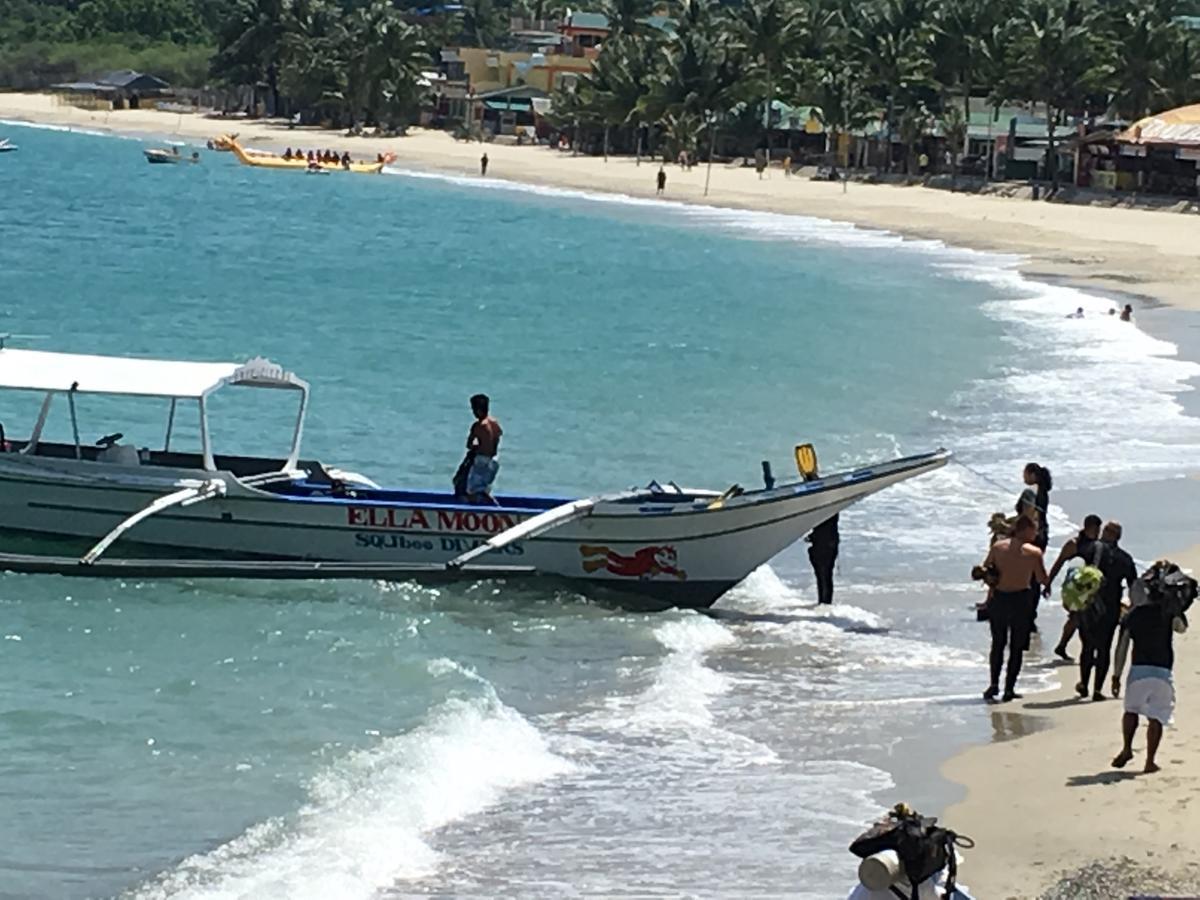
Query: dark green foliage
{"x": 717, "y": 66}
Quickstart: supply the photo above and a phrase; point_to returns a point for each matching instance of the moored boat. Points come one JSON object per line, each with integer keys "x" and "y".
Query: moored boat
{"x": 161, "y": 156}
{"x": 272, "y": 161}
{"x": 7, "y": 146}
{"x": 288, "y": 517}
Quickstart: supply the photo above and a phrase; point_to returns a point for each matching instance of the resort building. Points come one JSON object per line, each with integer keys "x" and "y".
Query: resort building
{"x": 115, "y": 90}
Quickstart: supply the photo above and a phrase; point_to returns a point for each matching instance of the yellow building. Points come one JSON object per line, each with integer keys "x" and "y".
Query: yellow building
{"x": 492, "y": 70}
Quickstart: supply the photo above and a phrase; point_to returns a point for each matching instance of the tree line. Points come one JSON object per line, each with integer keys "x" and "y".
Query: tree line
{"x": 904, "y": 64}
{"x": 716, "y": 65}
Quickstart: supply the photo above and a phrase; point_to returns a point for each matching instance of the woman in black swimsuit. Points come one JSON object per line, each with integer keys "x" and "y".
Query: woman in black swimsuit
{"x": 1035, "y": 502}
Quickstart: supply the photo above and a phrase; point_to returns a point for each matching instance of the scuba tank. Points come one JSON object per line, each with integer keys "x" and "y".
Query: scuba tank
{"x": 910, "y": 851}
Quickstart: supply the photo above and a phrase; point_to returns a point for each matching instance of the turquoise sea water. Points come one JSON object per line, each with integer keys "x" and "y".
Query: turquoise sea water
{"x": 359, "y": 740}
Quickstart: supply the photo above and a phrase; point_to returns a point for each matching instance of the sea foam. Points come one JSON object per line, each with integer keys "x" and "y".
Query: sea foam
{"x": 366, "y": 822}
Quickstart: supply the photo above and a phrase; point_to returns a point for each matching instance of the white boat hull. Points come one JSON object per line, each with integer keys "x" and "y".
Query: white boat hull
{"x": 674, "y": 547}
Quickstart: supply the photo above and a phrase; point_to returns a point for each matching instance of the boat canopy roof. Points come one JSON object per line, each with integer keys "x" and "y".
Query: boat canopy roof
{"x": 36, "y": 370}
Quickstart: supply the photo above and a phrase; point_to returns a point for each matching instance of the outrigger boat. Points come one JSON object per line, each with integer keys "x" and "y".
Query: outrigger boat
{"x": 272, "y": 161}
{"x": 272, "y": 517}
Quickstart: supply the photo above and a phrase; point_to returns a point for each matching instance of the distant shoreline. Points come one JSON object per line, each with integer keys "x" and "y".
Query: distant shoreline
{"x": 1139, "y": 253}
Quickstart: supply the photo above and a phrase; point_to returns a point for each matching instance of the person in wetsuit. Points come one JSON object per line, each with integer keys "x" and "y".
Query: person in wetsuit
{"x": 1018, "y": 564}
{"x": 1099, "y": 619}
{"x": 1035, "y": 502}
{"x": 822, "y": 553}
{"x": 1078, "y": 547}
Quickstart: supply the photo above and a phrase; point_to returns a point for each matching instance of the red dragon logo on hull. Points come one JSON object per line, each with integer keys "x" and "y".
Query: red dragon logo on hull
{"x": 644, "y": 564}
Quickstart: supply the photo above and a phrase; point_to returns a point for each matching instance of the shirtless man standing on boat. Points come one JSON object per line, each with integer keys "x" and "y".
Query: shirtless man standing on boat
{"x": 1017, "y": 567}
{"x": 483, "y": 444}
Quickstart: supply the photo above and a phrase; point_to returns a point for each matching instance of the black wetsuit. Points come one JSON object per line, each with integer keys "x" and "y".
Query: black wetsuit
{"x": 1043, "y": 507}
{"x": 822, "y": 553}
{"x": 1098, "y": 621}
{"x": 1009, "y": 617}
{"x": 1040, "y": 499}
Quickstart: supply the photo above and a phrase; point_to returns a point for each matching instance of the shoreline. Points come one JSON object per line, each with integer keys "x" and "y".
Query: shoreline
{"x": 1044, "y": 726}
{"x": 1092, "y": 248}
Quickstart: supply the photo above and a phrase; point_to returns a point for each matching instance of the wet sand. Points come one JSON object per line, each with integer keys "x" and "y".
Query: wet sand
{"x": 1046, "y": 804}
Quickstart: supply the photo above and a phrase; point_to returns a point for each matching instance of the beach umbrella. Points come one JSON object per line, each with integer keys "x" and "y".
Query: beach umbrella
{"x": 1178, "y": 127}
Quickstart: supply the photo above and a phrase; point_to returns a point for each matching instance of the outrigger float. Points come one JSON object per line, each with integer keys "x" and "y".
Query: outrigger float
{"x": 268, "y": 517}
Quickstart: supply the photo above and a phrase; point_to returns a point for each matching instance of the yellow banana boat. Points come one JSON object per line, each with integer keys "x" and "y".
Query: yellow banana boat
{"x": 274, "y": 161}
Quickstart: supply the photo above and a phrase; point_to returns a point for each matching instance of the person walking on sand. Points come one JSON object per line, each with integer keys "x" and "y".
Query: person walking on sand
{"x": 1078, "y": 547}
{"x": 483, "y": 163}
{"x": 661, "y": 180}
{"x": 1018, "y": 565}
{"x": 1150, "y": 688}
{"x": 1098, "y": 620}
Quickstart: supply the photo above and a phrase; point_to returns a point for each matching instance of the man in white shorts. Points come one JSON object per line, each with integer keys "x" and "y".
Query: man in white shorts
{"x": 1149, "y": 690}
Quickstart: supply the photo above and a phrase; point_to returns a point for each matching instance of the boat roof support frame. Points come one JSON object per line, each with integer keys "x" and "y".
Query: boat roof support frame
{"x": 293, "y": 457}
{"x": 205, "y": 443}
{"x": 170, "y": 425}
{"x": 39, "y": 426}
{"x": 74, "y": 420}
{"x": 298, "y": 431}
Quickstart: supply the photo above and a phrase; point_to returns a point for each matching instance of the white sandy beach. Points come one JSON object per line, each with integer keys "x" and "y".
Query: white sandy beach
{"x": 1144, "y": 252}
{"x": 1044, "y": 800}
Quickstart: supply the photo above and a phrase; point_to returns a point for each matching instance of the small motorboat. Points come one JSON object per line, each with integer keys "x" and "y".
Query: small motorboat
{"x": 6, "y": 146}
{"x": 161, "y": 156}
{"x": 282, "y": 516}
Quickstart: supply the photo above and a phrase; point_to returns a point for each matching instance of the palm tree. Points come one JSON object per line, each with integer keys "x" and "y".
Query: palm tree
{"x": 698, "y": 72}
{"x": 626, "y": 17}
{"x": 313, "y": 72}
{"x": 1142, "y": 31}
{"x": 250, "y": 48}
{"x": 1060, "y": 56}
{"x": 612, "y": 91}
{"x": 842, "y": 98}
{"x": 768, "y": 34}
{"x": 482, "y": 22}
{"x": 1179, "y": 81}
{"x": 891, "y": 40}
{"x": 682, "y": 131}
{"x": 386, "y": 58}
{"x": 914, "y": 123}
{"x": 955, "y": 128}
{"x": 961, "y": 46}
